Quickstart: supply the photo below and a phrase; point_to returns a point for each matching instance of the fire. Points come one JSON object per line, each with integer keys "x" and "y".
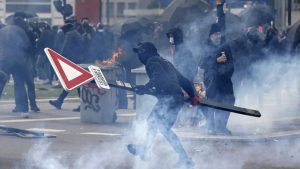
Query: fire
{"x": 200, "y": 89}
{"x": 114, "y": 58}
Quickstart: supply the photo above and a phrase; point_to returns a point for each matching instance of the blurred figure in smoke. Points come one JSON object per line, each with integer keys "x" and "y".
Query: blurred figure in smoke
{"x": 183, "y": 58}
{"x": 30, "y": 60}
{"x": 87, "y": 33}
{"x": 15, "y": 59}
{"x": 183, "y": 61}
{"x": 47, "y": 39}
{"x": 72, "y": 50}
{"x": 102, "y": 44}
{"x": 167, "y": 83}
{"x": 218, "y": 69}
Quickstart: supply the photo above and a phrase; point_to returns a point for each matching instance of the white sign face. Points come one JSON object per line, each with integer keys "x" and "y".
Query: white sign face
{"x": 99, "y": 77}
{"x": 69, "y": 74}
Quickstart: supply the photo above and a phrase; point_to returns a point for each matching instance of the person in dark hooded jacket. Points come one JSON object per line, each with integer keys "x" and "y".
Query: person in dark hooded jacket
{"x": 72, "y": 50}
{"x": 14, "y": 44}
{"x": 218, "y": 69}
{"x": 167, "y": 83}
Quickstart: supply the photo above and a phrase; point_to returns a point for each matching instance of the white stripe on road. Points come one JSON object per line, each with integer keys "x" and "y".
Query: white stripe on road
{"x": 38, "y": 100}
{"x": 39, "y": 120}
{"x": 127, "y": 115}
{"x": 101, "y": 134}
{"x": 3, "y": 117}
{"x": 46, "y": 130}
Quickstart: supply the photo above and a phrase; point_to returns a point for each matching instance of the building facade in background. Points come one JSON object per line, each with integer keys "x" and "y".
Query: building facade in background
{"x": 43, "y": 8}
{"x": 114, "y": 11}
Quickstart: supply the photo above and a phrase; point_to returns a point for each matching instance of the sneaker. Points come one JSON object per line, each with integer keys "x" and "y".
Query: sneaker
{"x": 77, "y": 109}
{"x": 185, "y": 164}
{"x": 25, "y": 115}
{"x": 55, "y": 104}
{"x": 223, "y": 132}
{"x": 138, "y": 150}
{"x": 35, "y": 109}
{"x": 18, "y": 110}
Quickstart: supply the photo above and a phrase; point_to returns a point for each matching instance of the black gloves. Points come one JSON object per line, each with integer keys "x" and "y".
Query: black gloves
{"x": 140, "y": 89}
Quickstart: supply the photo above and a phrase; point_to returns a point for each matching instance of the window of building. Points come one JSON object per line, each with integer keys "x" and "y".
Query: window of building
{"x": 132, "y": 5}
{"x": 31, "y": 8}
{"x": 120, "y": 9}
{"x": 296, "y": 5}
{"x": 111, "y": 9}
{"x": 28, "y": 1}
{"x": 35, "y": 6}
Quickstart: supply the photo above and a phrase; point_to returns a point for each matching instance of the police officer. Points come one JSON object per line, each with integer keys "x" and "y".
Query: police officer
{"x": 167, "y": 83}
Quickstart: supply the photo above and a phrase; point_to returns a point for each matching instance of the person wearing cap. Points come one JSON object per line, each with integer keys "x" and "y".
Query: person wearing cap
{"x": 167, "y": 84}
{"x": 218, "y": 69}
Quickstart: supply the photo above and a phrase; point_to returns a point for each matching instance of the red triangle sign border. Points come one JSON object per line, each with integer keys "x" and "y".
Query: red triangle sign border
{"x": 54, "y": 58}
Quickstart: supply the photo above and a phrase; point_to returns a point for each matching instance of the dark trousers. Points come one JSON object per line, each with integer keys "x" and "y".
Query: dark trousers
{"x": 31, "y": 91}
{"x": 30, "y": 84}
{"x": 162, "y": 118}
{"x": 64, "y": 94}
{"x": 218, "y": 119}
{"x": 20, "y": 90}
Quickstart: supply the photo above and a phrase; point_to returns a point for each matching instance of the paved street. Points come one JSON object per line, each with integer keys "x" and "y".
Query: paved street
{"x": 94, "y": 146}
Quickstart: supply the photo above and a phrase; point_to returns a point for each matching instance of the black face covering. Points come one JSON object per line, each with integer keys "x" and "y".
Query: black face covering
{"x": 143, "y": 57}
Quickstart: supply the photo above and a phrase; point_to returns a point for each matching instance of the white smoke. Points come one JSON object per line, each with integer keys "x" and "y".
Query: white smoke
{"x": 274, "y": 90}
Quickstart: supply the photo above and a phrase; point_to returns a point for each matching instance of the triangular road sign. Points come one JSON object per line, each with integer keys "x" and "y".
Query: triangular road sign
{"x": 69, "y": 74}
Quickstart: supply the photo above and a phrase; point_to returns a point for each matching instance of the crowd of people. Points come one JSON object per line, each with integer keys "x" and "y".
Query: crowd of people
{"x": 22, "y": 56}
{"x": 220, "y": 59}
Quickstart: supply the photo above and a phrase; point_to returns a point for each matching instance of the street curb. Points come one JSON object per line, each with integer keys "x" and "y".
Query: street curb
{"x": 68, "y": 100}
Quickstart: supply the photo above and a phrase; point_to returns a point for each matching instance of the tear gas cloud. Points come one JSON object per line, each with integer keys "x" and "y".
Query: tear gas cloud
{"x": 273, "y": 89}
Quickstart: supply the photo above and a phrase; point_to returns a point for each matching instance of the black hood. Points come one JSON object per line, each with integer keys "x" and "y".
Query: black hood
{"x": 145, "y": 50}
{"x": 177, "y": 34}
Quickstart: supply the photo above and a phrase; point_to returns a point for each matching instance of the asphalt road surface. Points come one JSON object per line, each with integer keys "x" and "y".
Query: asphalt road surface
{"x": 97, "y": 146}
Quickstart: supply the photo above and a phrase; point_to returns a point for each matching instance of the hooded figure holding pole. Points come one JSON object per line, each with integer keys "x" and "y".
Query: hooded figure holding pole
{"x": 167, "y": 83}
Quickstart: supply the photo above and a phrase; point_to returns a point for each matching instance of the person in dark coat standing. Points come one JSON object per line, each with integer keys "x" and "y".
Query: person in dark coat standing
{"x": 72, "y": 50}
{"x": 14, "y": 44}
{"x": 20, "y": 21}
{"x": 167, "y": 83}
{"x": 218, "y": 70}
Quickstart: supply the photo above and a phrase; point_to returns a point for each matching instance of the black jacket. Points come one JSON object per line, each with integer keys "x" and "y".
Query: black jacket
{"x": 217, "y": 76}
{"x": 72, "y": 47}
{"x": 14, "y": 47}
{"x": 165, "y": 78}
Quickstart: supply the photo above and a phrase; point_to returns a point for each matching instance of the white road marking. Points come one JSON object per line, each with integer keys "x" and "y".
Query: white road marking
{"x": 101, "y": 134}
{"x": 127, "y": 115}
{"x": 3, "y": 117}
{"x": 38, "y": 100}
{"x": 38, "y": 120}
{"x": 46, "y": 130}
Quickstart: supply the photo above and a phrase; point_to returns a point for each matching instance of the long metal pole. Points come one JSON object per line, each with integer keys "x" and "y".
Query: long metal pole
{"x": 64, "y": 6}
{"x": 107, "y": 11}
{"x": 289, "y": 12}
{"x": 100, "y": 11}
